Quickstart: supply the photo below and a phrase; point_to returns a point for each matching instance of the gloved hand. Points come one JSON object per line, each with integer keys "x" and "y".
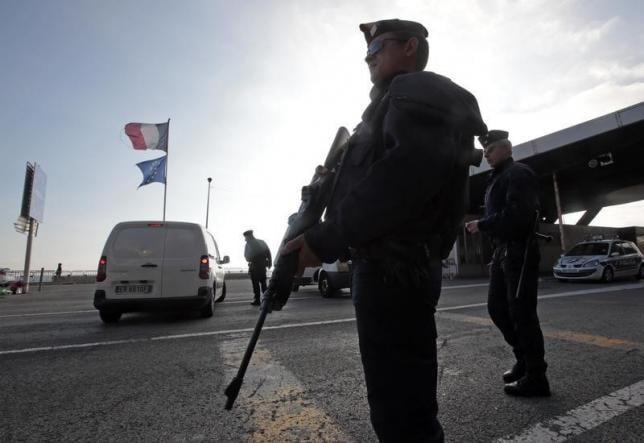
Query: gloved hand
{"x": 293, "y": 257}
{"x": 306, "y": 257}
{"x": 281, "y": 282}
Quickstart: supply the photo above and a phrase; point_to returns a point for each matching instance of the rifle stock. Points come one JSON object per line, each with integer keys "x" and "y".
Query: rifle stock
{"x": 315, "y": 197}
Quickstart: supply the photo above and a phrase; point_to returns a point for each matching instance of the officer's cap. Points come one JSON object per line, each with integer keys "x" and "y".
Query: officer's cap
{"x": 493, "y": 136}
{"x": 404, "y": 28}
{"x": 247, "y": 233}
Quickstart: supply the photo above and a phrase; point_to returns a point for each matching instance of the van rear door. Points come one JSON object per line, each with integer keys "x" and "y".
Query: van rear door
{"x": 184, "y": 247}
{"x": 135, "y": 264}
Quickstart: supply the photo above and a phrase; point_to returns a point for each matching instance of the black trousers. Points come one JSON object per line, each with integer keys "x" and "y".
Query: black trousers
{"x": 515, "y": 317}
{"x": 397, "y": 335}
{"x": 258, "y": 279}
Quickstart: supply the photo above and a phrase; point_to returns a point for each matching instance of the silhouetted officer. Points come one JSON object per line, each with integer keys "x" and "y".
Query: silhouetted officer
{"x": 511, "y": 205}
{"x": 398, "y": 202}
{"x": 258, "y": 256}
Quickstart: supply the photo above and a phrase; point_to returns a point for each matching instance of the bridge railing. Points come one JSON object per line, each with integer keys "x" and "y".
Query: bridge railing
{"x": 83, "y": 276}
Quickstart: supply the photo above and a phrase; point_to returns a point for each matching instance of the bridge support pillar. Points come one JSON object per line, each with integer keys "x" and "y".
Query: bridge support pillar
{"x": 588, "y": 216}
{"x": 559, "y": 214}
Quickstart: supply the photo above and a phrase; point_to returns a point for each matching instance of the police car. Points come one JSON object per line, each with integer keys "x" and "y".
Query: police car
{"x": 602, "y": 260}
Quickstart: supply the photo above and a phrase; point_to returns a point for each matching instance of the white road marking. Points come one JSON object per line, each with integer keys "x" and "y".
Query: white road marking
{"x": 594, "y": 291}
{"x": 559, "y": 334}
{"x": 584, "y": 418}
{"x": 473, "y": 285}
{"x": 558, "y": 295}
{"x": 298, "y": 417}
{"x": 94, "y": 311}
{"x": 229, "y": 302}
{"x": 171, "y": 337}
{"x": 283, "y": 326}
{"x": 40, "y": 314}
{"x": 238, "y": 302}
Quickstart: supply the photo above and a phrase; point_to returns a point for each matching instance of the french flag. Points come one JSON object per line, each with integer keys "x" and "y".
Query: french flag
{"x": 148, "y": 135}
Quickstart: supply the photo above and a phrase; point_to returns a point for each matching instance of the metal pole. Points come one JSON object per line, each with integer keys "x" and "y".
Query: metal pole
{"x": 42, "y": 271}
{"x": 559, "y": 214}
{"x": 208, "y": 202}
{"x": 30, "y": 237}
{"x": 165, "y": 185}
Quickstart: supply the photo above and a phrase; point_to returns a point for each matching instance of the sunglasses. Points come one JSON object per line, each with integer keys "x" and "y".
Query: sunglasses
{"x": 375, "y": 46}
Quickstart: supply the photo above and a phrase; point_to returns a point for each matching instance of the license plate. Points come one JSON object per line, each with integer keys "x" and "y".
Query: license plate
{"x": 133, "y": 289}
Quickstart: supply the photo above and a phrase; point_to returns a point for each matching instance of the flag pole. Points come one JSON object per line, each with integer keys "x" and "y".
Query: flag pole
{"x": 167, "y": 152}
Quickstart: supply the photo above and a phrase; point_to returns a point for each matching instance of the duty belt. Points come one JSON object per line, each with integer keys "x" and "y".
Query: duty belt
{"x": 397, "y": 250}
{"x": 501, "y": 243}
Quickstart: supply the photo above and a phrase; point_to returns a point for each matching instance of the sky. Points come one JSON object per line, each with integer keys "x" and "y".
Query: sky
{"x": 255, "y": 91}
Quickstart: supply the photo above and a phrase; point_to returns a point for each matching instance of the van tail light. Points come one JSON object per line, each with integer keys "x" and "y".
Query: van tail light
{"x": 101, "y": 274}
{"x": 204, "y": 267}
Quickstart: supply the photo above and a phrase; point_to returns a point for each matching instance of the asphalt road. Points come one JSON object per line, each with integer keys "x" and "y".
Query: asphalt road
{"x": 65, "y": 376}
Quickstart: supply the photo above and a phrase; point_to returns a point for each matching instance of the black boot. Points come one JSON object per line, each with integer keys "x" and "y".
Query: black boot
{"x": 255, "y": 302}
{"x": 514, "y": 374}
{"x": 529, "y": 386}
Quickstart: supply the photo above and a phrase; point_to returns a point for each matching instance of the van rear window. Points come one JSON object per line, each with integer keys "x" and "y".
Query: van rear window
{"x": 183, "y": 243}
{"x": 139, "y": 242}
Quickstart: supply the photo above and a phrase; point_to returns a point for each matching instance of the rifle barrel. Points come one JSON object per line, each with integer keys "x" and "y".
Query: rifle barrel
{"x": 232, "y": 391}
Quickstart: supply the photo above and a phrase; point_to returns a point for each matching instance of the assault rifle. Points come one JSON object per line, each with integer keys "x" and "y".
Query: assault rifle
{"x": 315, "y": 197}
{"x": 532, "y": 235}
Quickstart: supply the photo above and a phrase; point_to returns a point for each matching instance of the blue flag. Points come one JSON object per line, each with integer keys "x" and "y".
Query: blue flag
{"x": 153, "y": 170}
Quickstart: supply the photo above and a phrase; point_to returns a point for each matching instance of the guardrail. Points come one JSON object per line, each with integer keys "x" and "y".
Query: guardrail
{"x": 49, "y": 276}
{"x": 82, "y": 276}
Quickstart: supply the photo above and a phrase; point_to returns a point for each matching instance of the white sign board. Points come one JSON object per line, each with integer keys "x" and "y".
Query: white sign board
{"x": 37, "y": 207}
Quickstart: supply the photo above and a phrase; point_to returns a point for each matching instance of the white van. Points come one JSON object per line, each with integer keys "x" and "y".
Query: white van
{"x": 149, "y": 265}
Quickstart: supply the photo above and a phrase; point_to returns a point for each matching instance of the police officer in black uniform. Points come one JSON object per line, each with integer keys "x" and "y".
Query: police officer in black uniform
{"x": 258, "y": 256}
{"x": 397, "y": 205}
{"x": 511, "y": 205}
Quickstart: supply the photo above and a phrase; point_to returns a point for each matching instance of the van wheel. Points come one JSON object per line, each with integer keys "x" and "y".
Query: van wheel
{"x": 608, "y": 275}
{"x": 109, "y": 316}
{"x": 324, "y": 285}
{"x": 208, "y": 310}
{"x": 222, "y": 297}
{"x": 640, "y": 274}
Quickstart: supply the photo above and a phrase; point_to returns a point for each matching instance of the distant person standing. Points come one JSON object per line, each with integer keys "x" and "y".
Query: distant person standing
{"x": 258, "y": 256}
{"x": 511, "y": 205}
{"x": 59, "y": 271}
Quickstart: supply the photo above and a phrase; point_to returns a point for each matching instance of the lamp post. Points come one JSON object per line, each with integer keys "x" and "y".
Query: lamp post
{"x": 208, "y": 201}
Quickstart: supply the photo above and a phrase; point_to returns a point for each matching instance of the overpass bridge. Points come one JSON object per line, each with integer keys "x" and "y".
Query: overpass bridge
{"x": 585, "y": 167}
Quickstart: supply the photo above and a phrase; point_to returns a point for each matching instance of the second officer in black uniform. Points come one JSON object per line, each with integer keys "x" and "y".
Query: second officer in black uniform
{"x": 511, "y": 205}
{"x": 258, "y": 256}
{"x": 397, "y": 205}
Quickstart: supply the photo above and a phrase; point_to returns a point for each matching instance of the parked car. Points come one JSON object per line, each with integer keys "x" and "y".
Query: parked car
{"x": 602, "y": 260}
{"x": 13, "y": 287}
{"x": 330, "y": 278}
{"x": 148, "y": 266}
{"x": 4, "y": 278}
{"x": 9, "y": 285}
{"x": 309, "y": 277}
